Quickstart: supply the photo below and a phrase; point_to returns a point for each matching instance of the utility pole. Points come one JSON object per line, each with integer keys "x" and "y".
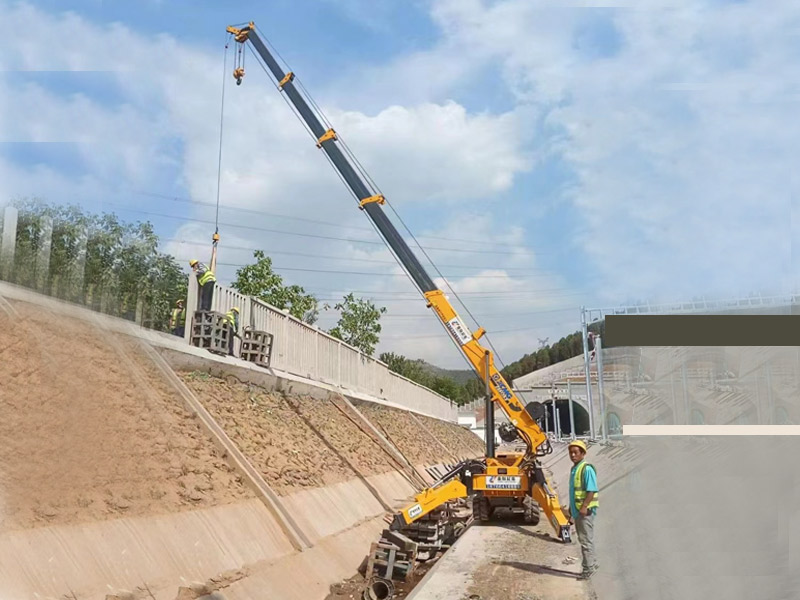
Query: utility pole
{"x": 587, "y": 369}
{"x": 598, "y": 351}
{"x": 571, "y": 410}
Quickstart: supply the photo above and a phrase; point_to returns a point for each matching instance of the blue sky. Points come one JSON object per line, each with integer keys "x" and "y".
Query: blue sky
{"x": 548, "y": 157}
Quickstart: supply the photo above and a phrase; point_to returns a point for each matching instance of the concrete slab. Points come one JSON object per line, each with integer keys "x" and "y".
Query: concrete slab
{"x": 99, "y": 558}
{"x": 394, "y": 487}
{"x": 505, "y": 561}
{"x": 308, "y": 575}
{"x": 325, "y": 511}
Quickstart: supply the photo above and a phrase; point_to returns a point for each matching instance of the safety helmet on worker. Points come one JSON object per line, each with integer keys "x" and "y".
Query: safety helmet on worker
{"x": 578, "y": 444}
{"x": 235, "y": 309}
{"x": 193, "y": 262}
{"x": 179, "y": 303}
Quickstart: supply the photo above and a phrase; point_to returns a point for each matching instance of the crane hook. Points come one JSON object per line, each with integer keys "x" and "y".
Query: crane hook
{"x": 238, "y": 74}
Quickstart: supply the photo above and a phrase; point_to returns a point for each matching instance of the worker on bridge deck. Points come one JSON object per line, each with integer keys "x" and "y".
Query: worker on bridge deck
{"x": 206, "y": 280}
{"x": 177, "y": 319}
{"x": 232, "y": 320}
{"x": 583, "y": 502}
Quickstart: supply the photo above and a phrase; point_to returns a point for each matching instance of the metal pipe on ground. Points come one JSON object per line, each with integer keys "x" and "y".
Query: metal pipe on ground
{"x": 379, "y": 589}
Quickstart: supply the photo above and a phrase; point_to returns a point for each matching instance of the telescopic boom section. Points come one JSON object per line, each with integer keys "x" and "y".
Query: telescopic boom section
{"x": 370, "y": 201}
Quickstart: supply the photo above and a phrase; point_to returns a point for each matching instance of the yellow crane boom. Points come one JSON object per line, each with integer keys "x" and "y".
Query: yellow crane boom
{"x": 496, "y": 478}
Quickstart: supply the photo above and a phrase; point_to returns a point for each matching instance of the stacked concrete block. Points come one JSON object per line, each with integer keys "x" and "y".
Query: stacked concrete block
{"x": 210, "y": 331}
{"x": 257, "y": 347}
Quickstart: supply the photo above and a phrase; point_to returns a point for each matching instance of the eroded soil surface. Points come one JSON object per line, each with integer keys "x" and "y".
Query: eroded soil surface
{"x": 91, "y": 430}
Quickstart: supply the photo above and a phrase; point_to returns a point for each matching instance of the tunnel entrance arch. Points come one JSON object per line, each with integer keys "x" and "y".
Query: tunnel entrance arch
{"x": 562, "y": 406}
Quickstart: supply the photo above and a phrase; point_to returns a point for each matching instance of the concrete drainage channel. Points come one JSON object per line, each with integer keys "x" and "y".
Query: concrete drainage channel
{"x": 396, "y": 564}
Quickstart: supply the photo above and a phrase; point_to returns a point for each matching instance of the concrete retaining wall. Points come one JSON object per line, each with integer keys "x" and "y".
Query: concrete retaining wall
{"x": 183, "y": 358}
{"x": 95, "y": 559}
{"x": 165, "y": 551}
{"x": 304, "y": 350}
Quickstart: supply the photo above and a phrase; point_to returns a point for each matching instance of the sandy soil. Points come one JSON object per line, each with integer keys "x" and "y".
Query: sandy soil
{"x": 295, "y": 442}
{"x": 411, "y": 434}
{"x": 90, "y": 431}
{"x": 460, "y": 441}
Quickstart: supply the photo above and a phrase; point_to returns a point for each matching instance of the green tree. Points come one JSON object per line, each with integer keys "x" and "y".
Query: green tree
{"x": 259, "y": 280}
{"x": 411, "y": 369}
{"x": 359, "y": 323}
{"x": 111, "y": 266}
{"x": 473, "y": 389}
{"x": 418, "y": 371}
{"x": 312, "y": 315}
{"x": 448, "y": 388}
{"x": 565, "y": 348}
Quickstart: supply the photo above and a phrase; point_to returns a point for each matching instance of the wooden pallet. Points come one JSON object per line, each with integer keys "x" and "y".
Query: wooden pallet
{"x": 210, "y": 331}
{"x": 257, "y": 347}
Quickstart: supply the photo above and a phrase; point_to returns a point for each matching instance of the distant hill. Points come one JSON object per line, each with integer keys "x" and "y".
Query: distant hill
{"x": 565, "y": 348}
{"x": 460, "y": 376}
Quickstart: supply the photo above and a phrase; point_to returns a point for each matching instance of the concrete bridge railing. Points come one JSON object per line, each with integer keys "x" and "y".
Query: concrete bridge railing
{"x": 305, "y": 350}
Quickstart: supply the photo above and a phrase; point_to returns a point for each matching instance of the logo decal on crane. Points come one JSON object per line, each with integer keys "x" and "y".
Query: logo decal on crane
{"x": 501, "y": 387}
{"x": 503, "y": 482}
{"x": 414, "y": 511}
{"x": 458, "y": 330}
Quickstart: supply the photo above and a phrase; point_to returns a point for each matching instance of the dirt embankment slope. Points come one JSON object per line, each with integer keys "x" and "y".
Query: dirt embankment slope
{"x": 303, "y": 442}
{"x": 421, "y": 438}
{"x": 294, "y": 442}
{"x": 90, "y": 430}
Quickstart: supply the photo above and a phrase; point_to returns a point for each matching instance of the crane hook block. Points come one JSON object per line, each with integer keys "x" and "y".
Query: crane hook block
{"x": 238, "y": 74}
{"x": 215, "y": 237}
{"x": 328, "y": 135}
{"x": 240, "y": 35}
{"x": 289, "y": 77}
{"x": 377, "y": 198}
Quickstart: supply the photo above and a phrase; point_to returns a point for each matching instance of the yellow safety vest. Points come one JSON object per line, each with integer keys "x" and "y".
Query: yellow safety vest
{"x": 580, "y": 493}
{"x": 230, "y": 317}
{"x": 205, "y": 275}
{"x": 178, "y": 316}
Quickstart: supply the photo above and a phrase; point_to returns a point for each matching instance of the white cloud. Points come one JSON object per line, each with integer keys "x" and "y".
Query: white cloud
{"x": 438, "y": 152}
{"x": 677, "y": 122}
{"x": 162, "y": 120}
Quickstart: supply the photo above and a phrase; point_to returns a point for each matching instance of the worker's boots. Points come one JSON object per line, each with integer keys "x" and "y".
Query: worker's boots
{"x": 587, "y": 573}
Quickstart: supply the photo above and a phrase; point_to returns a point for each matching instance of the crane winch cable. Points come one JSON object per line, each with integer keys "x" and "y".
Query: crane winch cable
{"x": 215, "y": 237}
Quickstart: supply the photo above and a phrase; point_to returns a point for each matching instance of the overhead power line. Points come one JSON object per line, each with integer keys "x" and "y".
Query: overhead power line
{"x": 294, "y": 233}
{"x": 493, "y": 332}
{"x": 484, "y": 315}
{"x": 353, "y": 240}
{"x": 360, "y": 260}
{"x": 314, "y": 221}
{"x": 372, "y": 273}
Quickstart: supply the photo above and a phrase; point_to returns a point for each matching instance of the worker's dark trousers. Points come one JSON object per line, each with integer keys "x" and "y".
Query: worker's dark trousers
{"x": 206, "y": 295}
{"x": 231, "y": 340}
{"x": 585, "y": 529}
{"x": 179, "y": 331}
